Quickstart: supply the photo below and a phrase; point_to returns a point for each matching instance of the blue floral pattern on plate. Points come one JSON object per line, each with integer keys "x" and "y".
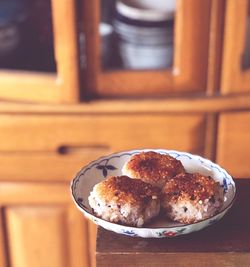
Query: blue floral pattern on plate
{"x": 128, "y": 232}
{"x": 105, "y": 168}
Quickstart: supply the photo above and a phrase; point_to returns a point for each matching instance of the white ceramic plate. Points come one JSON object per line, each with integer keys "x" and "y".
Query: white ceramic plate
{"x": 111, "y": 165}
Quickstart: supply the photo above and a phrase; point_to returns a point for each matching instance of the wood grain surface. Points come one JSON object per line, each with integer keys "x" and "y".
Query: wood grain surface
{"x": 41, "y": 226}
{"x": 64, "y": 144}
{"x": 226, "y": 243}
{"x": 233, "y": 145}
{"x": 235, "y": 78}
{"x": 62, "y": 87}
{"x": 3, "y": 249}
{"x": 192, "y": 22}
{"x": 193, "y": 103}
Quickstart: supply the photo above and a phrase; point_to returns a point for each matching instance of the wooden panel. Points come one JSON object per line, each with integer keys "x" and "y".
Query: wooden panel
{"x": 224, "y": 244}
{"x": 29, "y": 86}
{"x": 175, "y": 259}
{"x": 200, "y": 104}
{"x": 78, "y": 237}
{"x": 211, "y": 136}
{"x": 44, "y": 207}
{"x": 215, "y": 46}
{"x": 73, "y": 141}
{"x": 92, "y": 242}
{"x": 190, "y": 56}
{"x": 44, "y": 166}
{"x": 234, "y": 78}
{"x": 117, "y": 132}
{"x": 44, "y": 227}
{"x": 191, "y": 40}
{"x": 33, "y": 233}
{"x": 3, "y": 255}
{"x": 233, "y": 149}
{"x": 66, "y": 49}
{"x": 12, "y": 193}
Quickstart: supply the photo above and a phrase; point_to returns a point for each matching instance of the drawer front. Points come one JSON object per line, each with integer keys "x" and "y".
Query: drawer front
{"x": 54, "y": 147}
{"x": 233, "y": 150}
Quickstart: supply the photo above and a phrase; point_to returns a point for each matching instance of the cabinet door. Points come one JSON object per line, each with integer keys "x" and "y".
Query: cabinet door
{"x": 43, "y": 67}
{"x": 236, "y": 56}
{"x": 42, "y": 227}
{"x": 233, "y": 150}
{"x": 142, "y": 62}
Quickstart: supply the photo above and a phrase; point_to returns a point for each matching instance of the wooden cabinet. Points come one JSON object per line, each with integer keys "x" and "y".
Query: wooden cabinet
{"x": 190, "y": 60}
{"x": 233, "y": 127}
{"x": 200, "y": 104}
{"x": 77, "y": 49}
{"x": 61, "y": 86}
{"x": 74, "y": 140}
{"x": 233, "y": 150}
{"x": 236, "y": 58}
{"x": 39, "y": 215}
{"x": 41, "y": 227}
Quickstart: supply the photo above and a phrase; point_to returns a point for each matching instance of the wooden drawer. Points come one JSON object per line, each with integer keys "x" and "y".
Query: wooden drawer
{"x": 54, "y": 147}
{"x": 233, "y": 149}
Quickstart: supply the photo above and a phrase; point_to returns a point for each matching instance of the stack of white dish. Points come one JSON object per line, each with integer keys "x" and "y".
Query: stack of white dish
{"x": 106, "y": 32}
{"x": 145, "y": 31}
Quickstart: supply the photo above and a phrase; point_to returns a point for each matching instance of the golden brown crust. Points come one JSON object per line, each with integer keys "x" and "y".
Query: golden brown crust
{"x": 195, "y": 187}
{"x": 154, "y": 168}
{"x": 123, "y": 189}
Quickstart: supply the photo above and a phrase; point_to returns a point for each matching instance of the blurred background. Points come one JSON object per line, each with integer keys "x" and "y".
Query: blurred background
{"x": 81, "y": 79}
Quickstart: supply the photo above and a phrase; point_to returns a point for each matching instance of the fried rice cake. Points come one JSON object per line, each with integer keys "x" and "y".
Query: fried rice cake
{"x": 152, "y": 167}
{"x": 189, "y": 198}
{"x": 121, "y": 199}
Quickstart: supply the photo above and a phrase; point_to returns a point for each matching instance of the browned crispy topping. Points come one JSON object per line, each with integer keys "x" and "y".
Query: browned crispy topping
{"x": 124, "y": 189}
{"x": 195, "y": 187}
{"x": 154, "y": 166}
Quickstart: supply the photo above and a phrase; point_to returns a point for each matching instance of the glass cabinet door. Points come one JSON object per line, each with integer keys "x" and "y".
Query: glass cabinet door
{"x": 38, "y": 51}
{"x": 136, "y": 35}
{"x": 26, "y": 39}
{"x": 236, "y": 56}
{"x": 146, "y": 48}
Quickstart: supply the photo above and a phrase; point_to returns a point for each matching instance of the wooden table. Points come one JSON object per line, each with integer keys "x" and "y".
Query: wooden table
{"x": 227, "y": 243}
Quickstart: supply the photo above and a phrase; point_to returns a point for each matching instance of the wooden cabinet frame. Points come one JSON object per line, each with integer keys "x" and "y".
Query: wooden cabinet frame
{"x": 235, "y": 79}
{"x": 62, "y": 86}
{"x": 3, "y": 249}
{"x": 191, "y": 41}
